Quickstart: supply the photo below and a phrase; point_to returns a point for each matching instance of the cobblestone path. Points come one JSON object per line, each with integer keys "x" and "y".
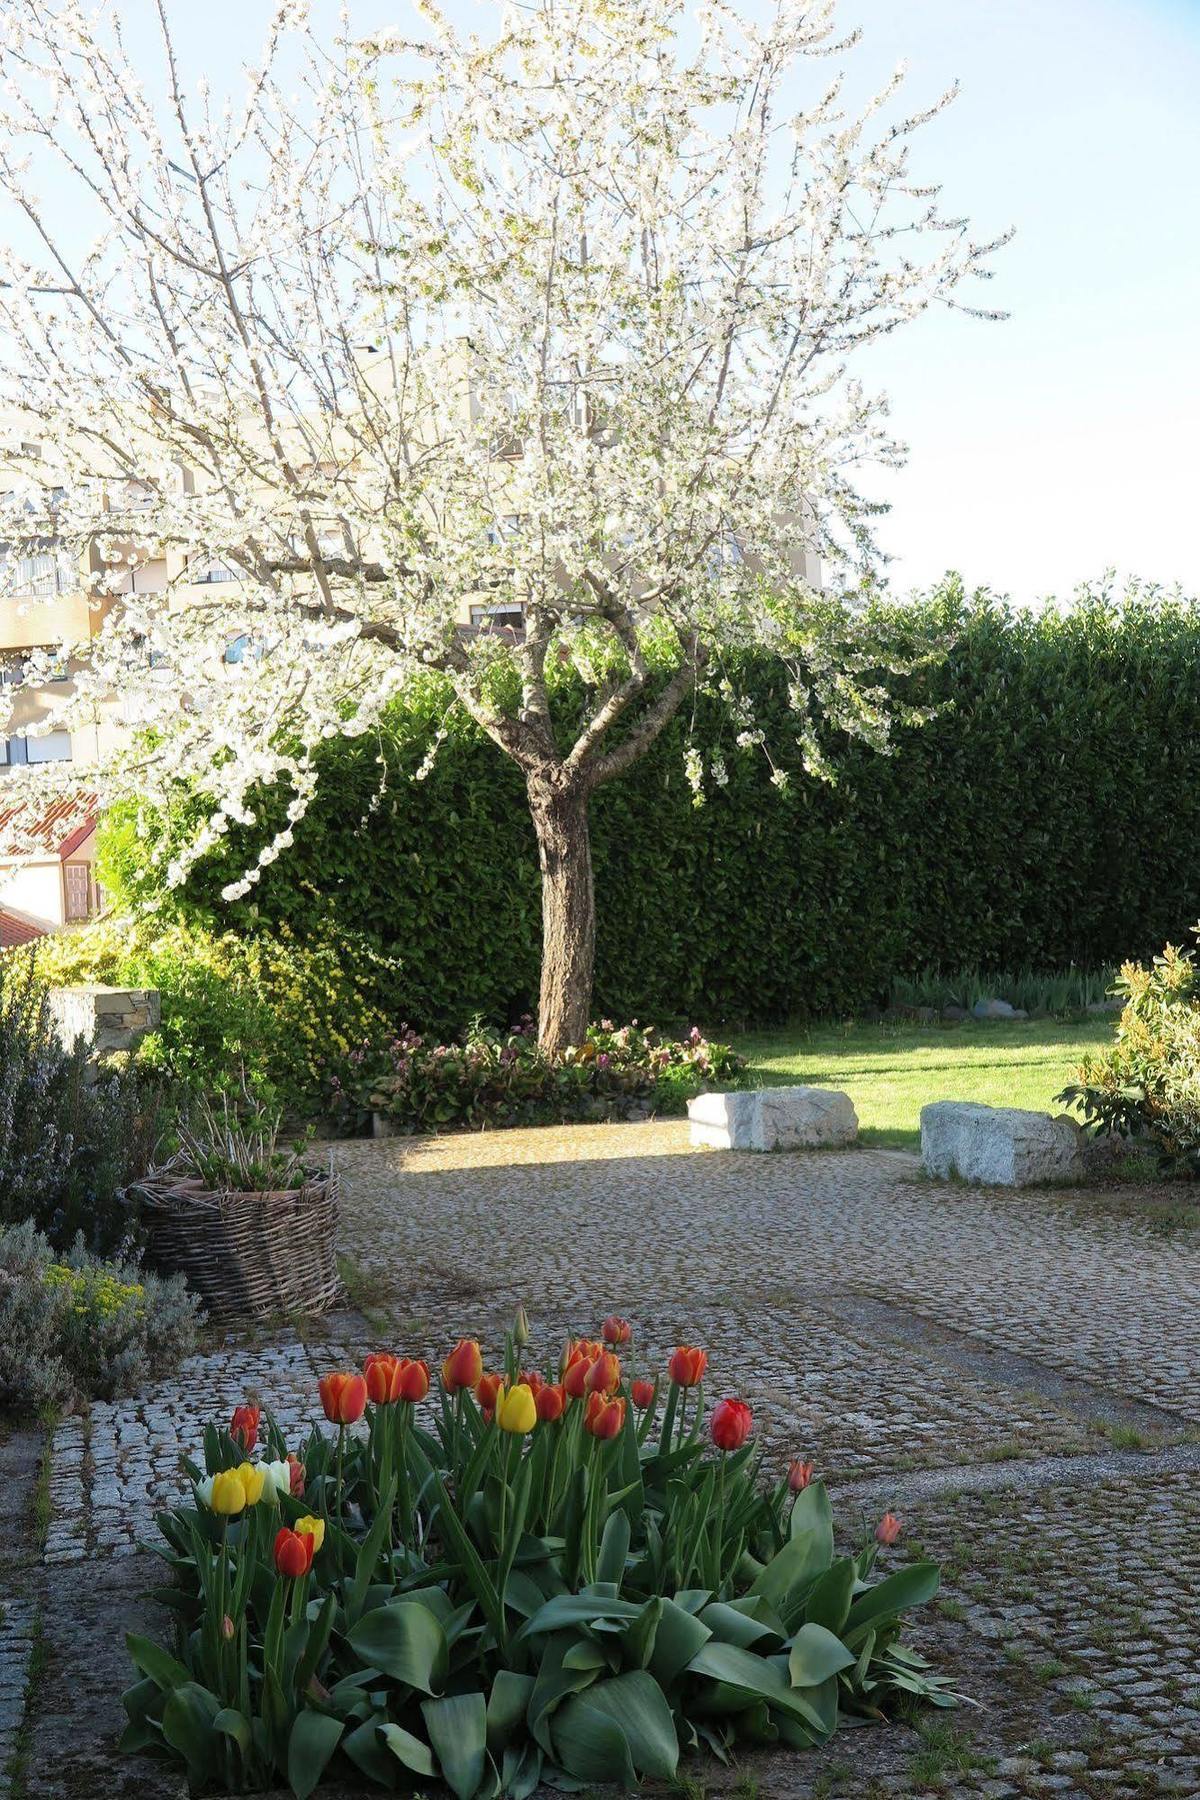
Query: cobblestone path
{"x": 1018, "y": 1375}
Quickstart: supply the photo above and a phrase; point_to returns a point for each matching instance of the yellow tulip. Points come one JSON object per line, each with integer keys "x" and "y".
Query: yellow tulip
{"x": 228, "y": 1494}
{"x": 516, "y": 1409}
{"x": 253, "y": 1478}
{"x": 310, "y": 1527}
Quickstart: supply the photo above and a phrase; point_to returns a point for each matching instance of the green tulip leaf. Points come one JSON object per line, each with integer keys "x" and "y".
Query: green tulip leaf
{"x": 313, "y": 1739}
{"x": 457, "y": 1730}
{"x": 816, "y": 1654}
{"x": 507, "y": 1706}
{"x": 407, "y": 1749}
{"x": 591, "y": 1745}
{"x": 679, "y": 1636}
{"x": 187, "y": 1725}
{"x": 636, "y": 1704}
{"x": 908, "y": 1587}
{"x": 156, "y": 1662}
{"x": 829, "y": 1601}
{"x": 235, "y": 1725}
{"x": 614, "y": 1548}
{"x": 406, "y": 1641}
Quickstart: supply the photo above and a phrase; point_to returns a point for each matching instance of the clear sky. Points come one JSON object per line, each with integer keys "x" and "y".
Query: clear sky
{"x": 1062, "y": 442}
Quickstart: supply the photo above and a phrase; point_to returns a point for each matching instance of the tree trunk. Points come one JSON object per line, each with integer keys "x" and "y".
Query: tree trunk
{"x": 560, "y": 818}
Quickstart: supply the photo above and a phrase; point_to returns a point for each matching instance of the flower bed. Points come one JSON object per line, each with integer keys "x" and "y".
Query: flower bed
{"x": 510, "y": 1577}
{"x": 495, "y": 1078}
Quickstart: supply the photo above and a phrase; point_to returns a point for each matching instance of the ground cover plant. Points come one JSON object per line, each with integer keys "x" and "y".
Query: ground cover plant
{"x": 571, "y": 1575}
{"x": 1145, "y": 1081}
{"x": 506, "y": 1078}
{"x": 891, "y": 1070}
{"x": 77, "y": 1327}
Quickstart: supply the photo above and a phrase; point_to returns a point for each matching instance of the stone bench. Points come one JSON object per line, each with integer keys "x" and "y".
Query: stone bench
{"x": 778, "y": 1118}
{"x": 999, "y": 1146}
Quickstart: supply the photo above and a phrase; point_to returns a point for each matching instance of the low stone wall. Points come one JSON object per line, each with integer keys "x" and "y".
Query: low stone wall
{"x": 108, "y": 1019}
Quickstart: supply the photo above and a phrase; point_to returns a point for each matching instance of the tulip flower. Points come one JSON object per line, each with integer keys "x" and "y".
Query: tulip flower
{"x": 414, "y": 1380}
{"x": 463, "y": 1367}
{"x": 604, "y": 1375}
{"x": 616, "y": 1330}
{"x": 228, "y": 1628}
{"x": 604, "y": 1418}
{"x": 516, "y": 1409}
{"x": 382, "y": 1376}
{"x": 731, "y": 1424}
{"x": 253, "y": 1479}
{"x": 243, "y": 1427}
{"x": 799, "y": 1474}
{"x": 550, "y": 1399}
{"x": 643, "y": 1394}
{"x": 687, "y": 1365}
{"x": 578, "y": 1360}
{"x": 344, "y": 1397}
{"x": 227, "y": 1496}
{"x": 889, "y": 1528}
{"x": 278, "y": 1479}
{"x": 307, "y": 1526}
{"x": 486, "y": 1389}
{"x": 293, "y": 1552}
{"x": 296, "y": 1474}
{"x": 533, "y": 1381}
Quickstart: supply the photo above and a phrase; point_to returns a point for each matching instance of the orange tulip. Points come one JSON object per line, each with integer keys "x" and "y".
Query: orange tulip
{"x": 888, "y": 1529}
{"x": 414, "y": 1380}
{"x": 382, "y": 1375}
{"x": 799, "y": 1474}
{"x": 344, "y": 1398}
{"x": 578, "y": 1360}
{"x": 463, "y": 1367}
{"x": 293, "y": 1552}
{"x": 486, "y": 1389}
{"x": 604, "y": 1418}
{"x": 687, "y": 1365}
{"x": 243, "y": 1427}
{"x": 533, "y": 1381}
{"x": 604, "y": 1376}
{"x": 295, "y": 1475}
{"x": 616, "y": 1330}
{"x": 643, "y": 1394}
{"x": 551, "y": 1398}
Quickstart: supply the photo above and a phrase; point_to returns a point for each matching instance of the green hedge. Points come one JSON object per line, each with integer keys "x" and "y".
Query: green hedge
{"x": 1051, "y": 815}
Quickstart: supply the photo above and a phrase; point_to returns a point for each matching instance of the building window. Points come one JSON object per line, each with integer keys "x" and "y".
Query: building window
{"x": 77, "y": 878}
{"x": 236, "y": 652}
{"x": 206, "y": 573}
{"x": 53, "y": 746}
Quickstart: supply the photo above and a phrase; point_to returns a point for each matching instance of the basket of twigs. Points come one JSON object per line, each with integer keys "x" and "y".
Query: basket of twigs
{"x": 248, "y": 1221}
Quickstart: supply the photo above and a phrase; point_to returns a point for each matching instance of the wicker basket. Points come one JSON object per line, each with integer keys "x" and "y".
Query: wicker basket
{"x": 246, "y": 1254}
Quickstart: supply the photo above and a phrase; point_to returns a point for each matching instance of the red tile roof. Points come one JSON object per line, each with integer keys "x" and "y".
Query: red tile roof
{"x": 15, "y": 930}
{"x": 55, "y": 831}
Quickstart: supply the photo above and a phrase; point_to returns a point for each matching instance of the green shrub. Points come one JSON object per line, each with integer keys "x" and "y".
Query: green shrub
{"x": 1148, "y": 1083}
{"x": 502, "y": 1078}
{"x": 78, "y": 1328}
{"x": 68, "y": 1145}
{"x": 1027, "y": 826}
{"x": 263, "y": 1008}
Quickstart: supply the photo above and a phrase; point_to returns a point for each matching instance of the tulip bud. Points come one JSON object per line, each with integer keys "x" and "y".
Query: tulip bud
{"x": 604, "y": 1376}
{"x": 643, "y": 1394}
{"x": 550, "y": 1398}
{"x": 616, "y": 1330}
{"x": 486, "y": 1389}
{"x": 344, "y": 1398}
{"x": 799, "y": 1475}
{"x": 295, "y": 1474}
{"x": 731, "y": 1424}
{"x": 888, "y": 1530}
{"x": 382, "y": 1376}
{"x": 516, "y": 1409}
{"x": 521, "y": 1328}
{"x": 243, "y": 1427}
{"x": 227, "y": 1628}
{"x": 414, "y": 1381}
{"x": 604, "y": 1418}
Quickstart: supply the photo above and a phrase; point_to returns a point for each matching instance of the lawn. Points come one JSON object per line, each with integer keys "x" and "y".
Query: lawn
{"x": 892, "y": 1071}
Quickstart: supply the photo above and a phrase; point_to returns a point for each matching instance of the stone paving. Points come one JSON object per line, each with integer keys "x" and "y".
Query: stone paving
{"x": 987, "y": 1365}
{"x": 16, "y": 1651}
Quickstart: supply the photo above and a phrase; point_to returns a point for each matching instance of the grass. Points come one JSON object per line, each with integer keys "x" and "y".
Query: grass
{"x": 892, "y": 1071}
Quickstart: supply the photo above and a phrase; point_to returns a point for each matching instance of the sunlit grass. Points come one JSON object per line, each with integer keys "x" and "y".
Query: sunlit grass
{"x": 892, "y": 1071}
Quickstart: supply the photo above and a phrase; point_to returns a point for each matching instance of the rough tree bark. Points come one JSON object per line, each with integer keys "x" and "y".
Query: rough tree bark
{"x": 559, "y": 806}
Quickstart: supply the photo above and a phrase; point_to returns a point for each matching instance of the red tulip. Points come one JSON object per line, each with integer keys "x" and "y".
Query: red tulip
{"x": 604, "y": 1376}
{"x": 888, "y": 1529}
{"x": 295, "y": 1475}
{"x": 550, "y": 1398}
{"x": 616, "y": 1330}
{"x": 344, "y": 1398}
{"x": 293, "y": 1552}
{"x": 533, "y": 1381}
{"x": 486, "y": 1389}
{"x": 578, "y": 1360}
{"x": 643, "y": 1394}
{"x": 604, "y": 1418}
{"x": 414, "y": 1380}
{"x": 731, "y": 1424}
{"x": 463, "y": 1367}
{"x": 799, "y": 1474}
{"x": 244, "y": 1426}
{"x": 687, "y": 1365}
{"x": 382, "y": 1375}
